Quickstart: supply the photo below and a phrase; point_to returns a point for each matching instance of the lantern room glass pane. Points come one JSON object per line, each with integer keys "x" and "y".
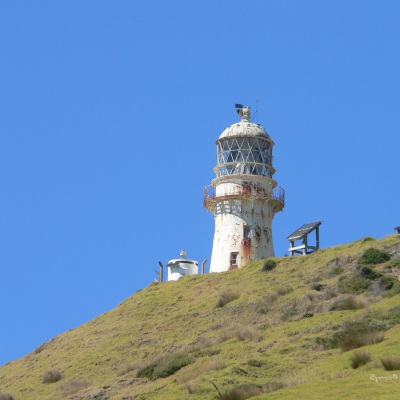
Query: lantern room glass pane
{"x": 252, "y": 156}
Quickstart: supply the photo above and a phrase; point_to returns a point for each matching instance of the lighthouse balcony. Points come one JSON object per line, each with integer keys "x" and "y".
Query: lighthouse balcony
{"x": 245, "y": 190}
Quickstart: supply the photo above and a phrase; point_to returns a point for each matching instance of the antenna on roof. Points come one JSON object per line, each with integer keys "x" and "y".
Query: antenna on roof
{"x": 256, "y": 113}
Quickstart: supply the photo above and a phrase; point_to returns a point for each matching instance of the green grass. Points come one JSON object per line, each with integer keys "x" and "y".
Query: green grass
{"x": 263, "y": 338}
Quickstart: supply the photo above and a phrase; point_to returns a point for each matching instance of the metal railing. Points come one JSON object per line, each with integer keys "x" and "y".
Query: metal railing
{"x": 210, "y": 193}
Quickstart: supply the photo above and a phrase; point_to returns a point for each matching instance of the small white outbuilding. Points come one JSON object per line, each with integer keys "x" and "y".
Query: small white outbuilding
{"x": 182, "y": 267}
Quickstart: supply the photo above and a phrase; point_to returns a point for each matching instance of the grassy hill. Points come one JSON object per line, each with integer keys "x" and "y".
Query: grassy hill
{"x": 325, "y": 326}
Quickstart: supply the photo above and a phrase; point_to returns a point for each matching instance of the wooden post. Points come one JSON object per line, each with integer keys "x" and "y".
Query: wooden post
{"x": 317, "y": 238}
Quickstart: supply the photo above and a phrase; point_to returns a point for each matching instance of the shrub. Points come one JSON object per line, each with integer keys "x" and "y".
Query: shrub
{"x": 51, "y": 376}
{"x": 307, "y": 315}
{"x": 391, "y": 363}
{"x": 353, "y": 335}
{"x": 226, "y": 298}
{"x": 165, "y": 366}
{"x": 40, "y": 348}
{"x": 368, "y": 273}
{"x": 347, "y": 303}
{"x": 352, "y": 285}
{"x": 359, "y": 358}
{"x": 242, "y": 392}
{"x": 269, "y": 265}
{"x": 6, "y": 396}
{"x": 355, "y": 340}
{"x": 373, "y": 256}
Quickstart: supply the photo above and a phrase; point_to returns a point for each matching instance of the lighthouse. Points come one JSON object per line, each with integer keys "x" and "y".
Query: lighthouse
{"x": 243, "y": 197}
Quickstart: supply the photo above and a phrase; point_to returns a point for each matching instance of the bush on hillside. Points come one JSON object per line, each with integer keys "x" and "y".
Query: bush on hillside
{"x": 165, "y": 366}
{"x": 226, "y": 298}
{"x": 269, "y": 265}
{"x": 51, "y": 376}
{"x": 373, "y": 256}
{"x": 242, "y": 392}
{"x": 391, "y": 363}
{"x": 369, "y": 273}
{"x": 347, "y": 303}
{"x": 359, "y": 358}
{"x": 355, "y": 334}
{"x": 352, "y": 285}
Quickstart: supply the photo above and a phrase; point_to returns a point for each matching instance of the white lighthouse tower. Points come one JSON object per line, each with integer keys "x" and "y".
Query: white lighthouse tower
{"x": 243, "y": 197}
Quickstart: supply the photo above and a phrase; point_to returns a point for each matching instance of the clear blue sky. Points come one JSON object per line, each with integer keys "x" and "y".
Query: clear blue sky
{"x": 109, "y": 112}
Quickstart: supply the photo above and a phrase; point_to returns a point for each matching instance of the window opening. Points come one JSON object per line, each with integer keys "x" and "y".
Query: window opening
{"x": 234, "y": 257}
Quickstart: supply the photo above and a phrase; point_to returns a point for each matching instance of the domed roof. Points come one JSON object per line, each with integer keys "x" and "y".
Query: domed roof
{"x": 244, "y": 127}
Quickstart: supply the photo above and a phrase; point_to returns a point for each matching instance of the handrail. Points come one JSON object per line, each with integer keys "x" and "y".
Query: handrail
{"x": 210, "y": 193}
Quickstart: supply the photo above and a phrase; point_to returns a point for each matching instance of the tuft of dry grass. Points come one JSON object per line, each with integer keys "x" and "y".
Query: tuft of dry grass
{"x": 241, "y": 333}
{"x": 242, "y": 392}
{"x": 391, "y": 363}
{"x": 348, "y": 303}
{"x": 359, "y": 358}
{"x": 51, "y": 376}
{"x": 226, "y": 298}
{"x": 165, "y": 366}
{"x": 353, "y": 341}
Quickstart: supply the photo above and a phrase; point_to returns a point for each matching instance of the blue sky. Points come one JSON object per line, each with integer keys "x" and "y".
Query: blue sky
{"x": 109, "y": 112}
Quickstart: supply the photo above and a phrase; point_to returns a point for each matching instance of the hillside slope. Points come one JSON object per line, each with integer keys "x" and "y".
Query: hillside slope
{"x": 285, "y": 332}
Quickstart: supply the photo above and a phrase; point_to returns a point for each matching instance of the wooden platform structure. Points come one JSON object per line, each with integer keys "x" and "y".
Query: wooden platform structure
{"x": 302, "y": 234}
{"x": 397, "y": 228}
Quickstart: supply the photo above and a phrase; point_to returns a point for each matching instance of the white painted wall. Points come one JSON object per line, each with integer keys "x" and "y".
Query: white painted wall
{"x": 242, "y": 202}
